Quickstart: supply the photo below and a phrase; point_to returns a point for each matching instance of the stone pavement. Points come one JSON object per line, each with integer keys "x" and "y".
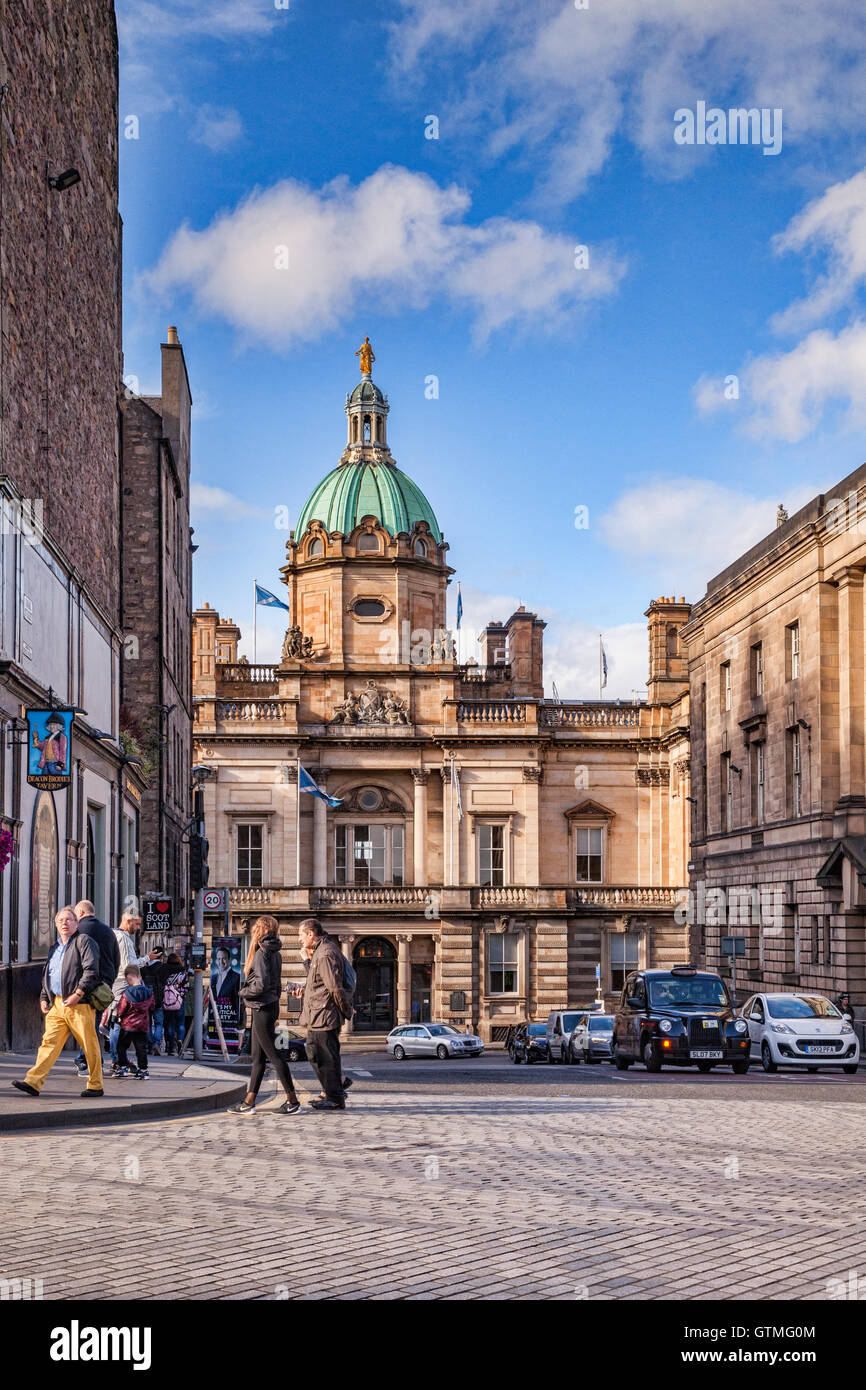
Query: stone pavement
{"x": 173, "y": 1088}
{"x": 469, "y": 1195}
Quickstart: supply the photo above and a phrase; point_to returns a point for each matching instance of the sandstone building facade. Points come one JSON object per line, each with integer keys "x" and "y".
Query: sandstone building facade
{"x": 490, "y": 848}
{"x": 776, "y": 663}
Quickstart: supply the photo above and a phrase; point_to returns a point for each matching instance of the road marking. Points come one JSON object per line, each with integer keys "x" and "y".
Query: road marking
{"x": 356, "y": 1071}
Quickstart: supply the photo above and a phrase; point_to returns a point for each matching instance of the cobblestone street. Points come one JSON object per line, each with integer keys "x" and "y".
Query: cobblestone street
{"x": 431, "y": 1187}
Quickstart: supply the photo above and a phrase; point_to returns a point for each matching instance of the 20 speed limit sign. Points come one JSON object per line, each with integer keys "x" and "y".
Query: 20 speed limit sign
{"x": 215, "y": 900}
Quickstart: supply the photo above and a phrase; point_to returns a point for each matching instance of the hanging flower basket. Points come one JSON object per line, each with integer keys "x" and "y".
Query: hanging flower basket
{"x": 7, "y": 845}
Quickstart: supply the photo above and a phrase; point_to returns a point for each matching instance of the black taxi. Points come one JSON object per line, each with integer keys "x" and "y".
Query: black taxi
{"x": 681, "y": 1017}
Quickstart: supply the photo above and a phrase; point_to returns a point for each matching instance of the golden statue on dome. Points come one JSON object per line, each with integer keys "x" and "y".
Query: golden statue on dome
{"x": 367, "y": 356}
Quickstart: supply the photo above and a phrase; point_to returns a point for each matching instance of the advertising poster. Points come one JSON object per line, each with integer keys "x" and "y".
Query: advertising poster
{"x": 49, "y": 748}
{"x": 226, "y": 963}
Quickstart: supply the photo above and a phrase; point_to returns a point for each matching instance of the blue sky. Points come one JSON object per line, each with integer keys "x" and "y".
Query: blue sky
{"x": 560, "y": 386}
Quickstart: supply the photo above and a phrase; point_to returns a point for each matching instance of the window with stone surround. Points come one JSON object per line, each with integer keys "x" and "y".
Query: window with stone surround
{"x": 250, "y": 855}
{"x": 502, "y": 963}
{"x": 369, "y": 855}
{"x": 792, "y": 651}
{"x": 756, "y": 754}
{"x": 795, "y": 774}
{"x": 589, "y": 846}
{"x": 726, "y": 786}
{"x": 491, "y": 855}
{"x": 757, "y": 671}
{"x": 725, "y": 685}
{"x": 624, "y": 958}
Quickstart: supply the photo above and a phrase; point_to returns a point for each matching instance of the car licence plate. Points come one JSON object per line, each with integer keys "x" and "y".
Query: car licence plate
{"x": 816, "y": 1051}
{"x": 707, "y": 1054}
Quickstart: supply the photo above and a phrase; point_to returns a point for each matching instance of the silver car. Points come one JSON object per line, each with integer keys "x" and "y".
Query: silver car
{"x": 432, "y": 1040}
{"x": 592, "y": 1039}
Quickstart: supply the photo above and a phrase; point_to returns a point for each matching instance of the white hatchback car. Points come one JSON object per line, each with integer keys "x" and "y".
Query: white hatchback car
{"x": 432, "y": 1040}
{"x": 800, "y": 1030}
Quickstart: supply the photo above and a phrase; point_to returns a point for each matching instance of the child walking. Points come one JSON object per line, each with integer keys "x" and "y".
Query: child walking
{"x": 134, "y": 1009}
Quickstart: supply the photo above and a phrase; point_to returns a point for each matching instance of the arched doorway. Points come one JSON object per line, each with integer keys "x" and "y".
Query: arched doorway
{"x": 376, "y": 995}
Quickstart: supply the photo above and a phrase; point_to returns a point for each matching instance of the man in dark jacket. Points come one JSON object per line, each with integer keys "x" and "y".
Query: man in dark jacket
{"x": 322, "y": 1012}
{"x": 109, "y": 954}
{"x": 71, "y": 972}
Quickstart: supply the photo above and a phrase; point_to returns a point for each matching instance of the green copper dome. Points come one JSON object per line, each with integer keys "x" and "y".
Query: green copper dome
{"x": 355, "y": 490}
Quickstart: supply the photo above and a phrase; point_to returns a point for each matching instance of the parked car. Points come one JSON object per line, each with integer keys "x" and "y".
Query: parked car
{"x": 800, "y": 1030}
{"x": 561, "y": 1023}
{"x": 681, "y": 1017}
{"x": 592, "y": 1039}
{"x": 529, "y": 1043}
{"x": 294, "y": 1044}
{"x": 432, "y": 1040}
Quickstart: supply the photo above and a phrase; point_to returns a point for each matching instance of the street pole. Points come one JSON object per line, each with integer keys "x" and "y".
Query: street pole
{"x": 198, "y": 937}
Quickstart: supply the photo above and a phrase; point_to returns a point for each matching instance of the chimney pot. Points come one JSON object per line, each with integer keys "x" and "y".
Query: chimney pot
{"x": 172, "y": 337}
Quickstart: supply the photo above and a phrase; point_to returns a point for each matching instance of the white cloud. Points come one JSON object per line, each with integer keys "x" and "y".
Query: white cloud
{"x": 685, "y": 530}
{"x": 148, "y": 22}
{"x": 397, "y": 235}
{"x": 560, "y": 85}
{"x": 214, "y": 501}
{"x": 835, "y": 223}
{"x": 217, "y": 127}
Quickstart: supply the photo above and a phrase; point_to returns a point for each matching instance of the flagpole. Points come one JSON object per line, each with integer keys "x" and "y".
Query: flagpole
{"x": 255, "y": 618}
{"x": 600, "y": 660}
{"x": 298, "y": 829}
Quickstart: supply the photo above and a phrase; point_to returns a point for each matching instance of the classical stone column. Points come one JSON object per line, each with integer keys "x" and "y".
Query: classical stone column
{"x": 420, "y": 777}
{"x": 450, "y": 829}
{"x": 851, "y": 673}
{"x": 403, "y": 978}
{"x": 532, "y": 775}
{"x": 346, "y": 945}
{"x": 320, "y": 835}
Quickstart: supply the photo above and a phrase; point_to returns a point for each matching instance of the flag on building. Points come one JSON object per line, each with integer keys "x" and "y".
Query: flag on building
{"x": 455, "y": 782}
{"x": 459, "y": 606}
{"x": 603, "y": 664}
{"x": 269, "y": 600}
{"x": 309, "y": 784}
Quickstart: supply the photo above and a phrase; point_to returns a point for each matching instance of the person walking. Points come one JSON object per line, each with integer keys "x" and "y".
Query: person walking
{"x": 306, "y": 956}
{"x": 153, "y": 975}
{"x": 261, "y": 994}
{"x": 134, "y": 1013}
{"x": 175, "y": 986}
{"x": 125, "y": 936}
{"x": 109, "y": 958}
{"x": 326, "y": 1004}
{"x": 71, "y": 973}
{"x": 844, "y": 1005}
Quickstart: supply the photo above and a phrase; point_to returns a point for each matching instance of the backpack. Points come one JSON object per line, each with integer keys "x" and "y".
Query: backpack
{"x": 347, "y": 993}
{"x": 174, "y": 992}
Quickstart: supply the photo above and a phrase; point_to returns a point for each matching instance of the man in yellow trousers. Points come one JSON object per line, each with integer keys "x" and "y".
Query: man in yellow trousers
{"x": 71, "y": 972}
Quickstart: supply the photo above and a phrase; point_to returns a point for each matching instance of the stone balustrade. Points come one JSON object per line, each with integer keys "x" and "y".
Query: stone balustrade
{"x": 249, "y": 711}
{"x": 610, "y": 895}
{"x": 589, "y": 716}
{"x": 240, "y": 673}
{"x": 487, "y": 712}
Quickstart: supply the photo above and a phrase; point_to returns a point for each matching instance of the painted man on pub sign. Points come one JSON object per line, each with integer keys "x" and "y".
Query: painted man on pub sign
{"x": 48, "y": 754}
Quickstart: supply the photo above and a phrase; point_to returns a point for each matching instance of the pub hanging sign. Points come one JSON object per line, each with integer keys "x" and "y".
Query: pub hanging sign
{"x": 49, "y": 748}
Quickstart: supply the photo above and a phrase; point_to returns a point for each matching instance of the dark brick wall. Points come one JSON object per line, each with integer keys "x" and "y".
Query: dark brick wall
{"x": 60, "y": 264}
{"x": 157, "y": 600}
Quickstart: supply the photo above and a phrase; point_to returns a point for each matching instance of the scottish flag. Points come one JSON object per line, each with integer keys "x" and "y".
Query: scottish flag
{"x": 269, "y": 600}
{"x": 459, "y": 606}
{"x": 308, "y": 784}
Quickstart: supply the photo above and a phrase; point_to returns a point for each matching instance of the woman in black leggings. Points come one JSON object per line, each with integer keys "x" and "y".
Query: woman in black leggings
{"x": 261, "y": 994}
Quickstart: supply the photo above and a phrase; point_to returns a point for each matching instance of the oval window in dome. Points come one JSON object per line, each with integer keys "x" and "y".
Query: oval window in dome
{"x": 368, "y": 540}
{"x": 368, "y": 608}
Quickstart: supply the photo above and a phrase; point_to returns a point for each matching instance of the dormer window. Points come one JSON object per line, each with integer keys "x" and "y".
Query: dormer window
{"x": 316, "y": 548}
{"x": 368, "y": 540}
{"x": 420, "y": 549}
